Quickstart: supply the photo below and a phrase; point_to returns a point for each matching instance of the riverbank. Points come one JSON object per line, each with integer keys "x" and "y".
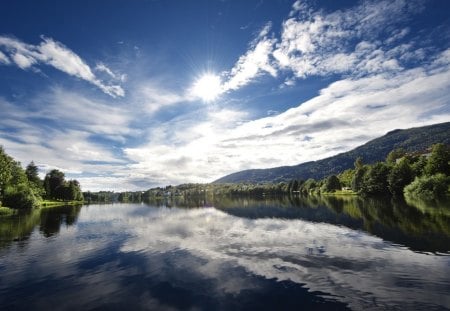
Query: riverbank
{"x": 8, "y": 211}
{"x": 55, "y": 203}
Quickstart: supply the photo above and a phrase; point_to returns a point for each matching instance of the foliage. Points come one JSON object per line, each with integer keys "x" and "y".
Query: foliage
{"x": 20, "y": 196}
{"x": 53, "y": 183}
{"x": 418, "y": 165}
{"x": 375, "y": 180}
{"x": 32, "y": 173}
{"x": 428, "y": 187}
{"x": 21, "y": 188}
{"x": 400, "y": 176}
{"x": 439, "y": 161}
{"x": 6, "y": 211}
{"x": 6, "y": 163}
{"x": 395, "y": 155}
{"x": 358, "y": 178}
{"x": 331, "y": 184}
{"x": 346, "y": 177}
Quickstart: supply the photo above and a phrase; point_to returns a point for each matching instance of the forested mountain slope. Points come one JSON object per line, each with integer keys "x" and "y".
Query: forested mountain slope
{"x": 414, "y": 139}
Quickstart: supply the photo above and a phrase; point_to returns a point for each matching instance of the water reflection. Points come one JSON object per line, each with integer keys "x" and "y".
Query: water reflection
{"x": 288, "y": 253}
{"x": 426, "y": 229}
{"x": 49, "y": 221}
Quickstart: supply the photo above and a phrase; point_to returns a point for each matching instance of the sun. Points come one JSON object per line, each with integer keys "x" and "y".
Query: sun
{"x": 208, "y": 87}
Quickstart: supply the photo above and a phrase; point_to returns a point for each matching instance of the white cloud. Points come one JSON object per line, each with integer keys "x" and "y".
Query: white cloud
{"x": 308, "y": 254}
{"x": 220, "y": 239}
{"x": 344, "y": 115}
{"x": 23, "y": 61}
{"x": 315, "y": 43}
{"x": 82, "y": 113}
{"x": 57, "y": 55}
{"x": 67, "y": 139}
{"x": 103, "y": 68}
{"x": 254, "y": 63}
{"x": 4, "y": 59}
{"x": 152, "y": 97}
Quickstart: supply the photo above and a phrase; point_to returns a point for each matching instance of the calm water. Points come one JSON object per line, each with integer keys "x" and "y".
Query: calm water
{"x": 284, "y": 254}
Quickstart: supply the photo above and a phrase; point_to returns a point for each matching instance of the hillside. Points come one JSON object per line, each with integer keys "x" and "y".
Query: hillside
{"x": 414, "y": 139}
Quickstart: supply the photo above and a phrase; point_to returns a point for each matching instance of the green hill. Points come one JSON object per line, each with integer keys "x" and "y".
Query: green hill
{"x": 414, "y": 139}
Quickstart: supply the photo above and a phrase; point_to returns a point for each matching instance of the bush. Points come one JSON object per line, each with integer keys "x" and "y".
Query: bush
{"x": 428, "y": 187}
{"x": 20, "y": 196}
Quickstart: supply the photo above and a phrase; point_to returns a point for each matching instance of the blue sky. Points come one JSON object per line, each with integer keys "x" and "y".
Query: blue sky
{"x": 127, "y": 95}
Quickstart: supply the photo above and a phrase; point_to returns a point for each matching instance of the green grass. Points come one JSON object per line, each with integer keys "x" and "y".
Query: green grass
{"x": 54, "y": 203}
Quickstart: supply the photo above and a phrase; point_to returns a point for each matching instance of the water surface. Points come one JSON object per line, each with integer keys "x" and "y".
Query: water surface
{"x": 235, "y": 254}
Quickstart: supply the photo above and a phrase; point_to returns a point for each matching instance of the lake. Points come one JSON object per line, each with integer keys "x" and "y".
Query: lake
{"x": 319, "y": 253}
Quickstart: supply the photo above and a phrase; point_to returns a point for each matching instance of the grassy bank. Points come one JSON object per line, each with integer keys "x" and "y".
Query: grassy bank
{"x": 54, "y": 203}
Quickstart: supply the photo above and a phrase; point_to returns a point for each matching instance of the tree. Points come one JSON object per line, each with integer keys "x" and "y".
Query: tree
{"x": 358, "y": 178}
{"x": 19, "y": 196}
{"x": 32, "y": 173}
{"x": 439, "y": 161}
{"x": 358, "y": 163}
{"x": 375, "y": 180}
{"x": 308, "y": 186}
{"x": 5, "y": 171}
{"x": 394, "y": 155}
{"x": 418, "y": 165}
{"x": 331, "y": 184}
{"x": 346, "y": 177}
{"x": 36, "y": 184}
{"x": 52, "y": 181}
{"x": 400, "y": 176}
{"x": 15, "y": 191}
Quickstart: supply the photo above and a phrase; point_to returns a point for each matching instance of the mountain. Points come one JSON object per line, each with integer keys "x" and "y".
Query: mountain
{"x": 414, "y": 139}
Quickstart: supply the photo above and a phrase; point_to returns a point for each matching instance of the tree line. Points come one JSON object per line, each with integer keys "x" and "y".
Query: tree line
{"x": 425, "y": 176}
{"x": 421, "y": 175}
{"x": 23, "y": 188}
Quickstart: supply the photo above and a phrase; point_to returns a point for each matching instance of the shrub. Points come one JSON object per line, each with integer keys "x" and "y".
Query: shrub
{"x": 428, "y": 187}
{"x": 20, "y": 196}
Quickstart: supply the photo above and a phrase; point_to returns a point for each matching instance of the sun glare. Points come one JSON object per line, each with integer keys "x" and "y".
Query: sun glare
{"x": 208, "y": 87}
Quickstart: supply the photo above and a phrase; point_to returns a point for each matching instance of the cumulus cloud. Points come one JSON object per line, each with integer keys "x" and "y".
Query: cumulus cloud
{"x": 54, "y": 54}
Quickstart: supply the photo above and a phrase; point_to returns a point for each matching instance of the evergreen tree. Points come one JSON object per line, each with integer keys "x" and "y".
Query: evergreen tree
{"x": 32, "y": 173}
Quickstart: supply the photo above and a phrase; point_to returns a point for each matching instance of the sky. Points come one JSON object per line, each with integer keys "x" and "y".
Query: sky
{"x": 129, "y": 95}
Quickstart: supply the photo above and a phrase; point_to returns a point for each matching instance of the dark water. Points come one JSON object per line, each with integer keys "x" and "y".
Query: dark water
{"x": 241, "y": 254}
